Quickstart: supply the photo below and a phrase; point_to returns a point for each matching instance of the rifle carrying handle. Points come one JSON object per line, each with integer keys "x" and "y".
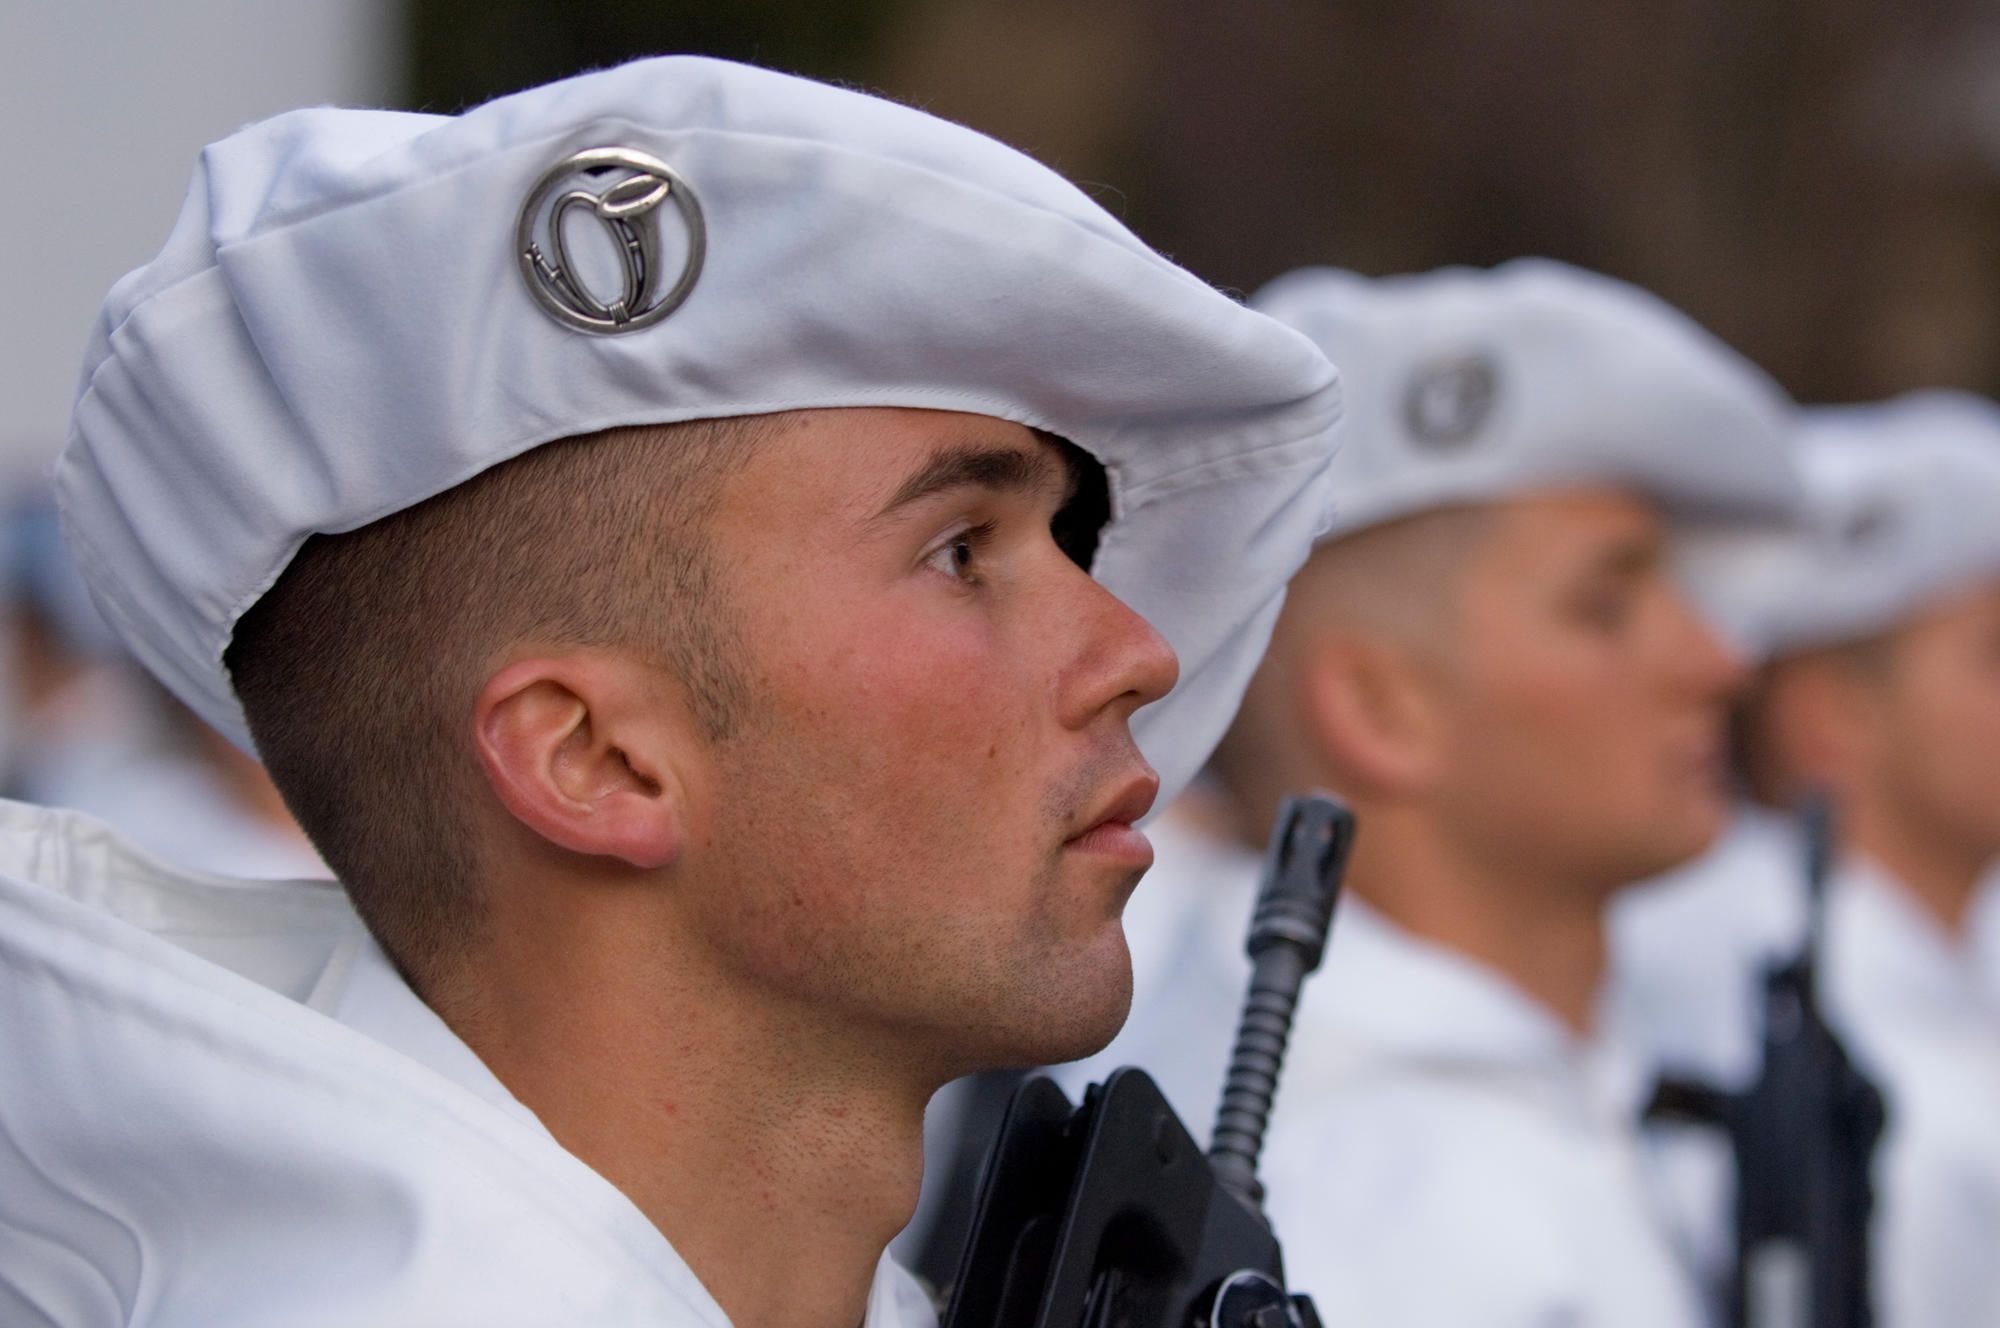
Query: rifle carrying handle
{"x": 1302, "y": 875}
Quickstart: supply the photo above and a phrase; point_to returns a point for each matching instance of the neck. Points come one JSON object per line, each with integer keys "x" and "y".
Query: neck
{"x": 248, "y": 786}
{"x": 778, "y": 1166}
{"x": 1548, "y": 941}
{"x": 1928, "y": 864}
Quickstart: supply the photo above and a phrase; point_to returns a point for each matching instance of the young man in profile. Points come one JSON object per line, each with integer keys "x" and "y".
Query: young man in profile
{"x": 690, "y": 545}
{"x": 1878, "y": 626}
{"x": 1488, "y": 659}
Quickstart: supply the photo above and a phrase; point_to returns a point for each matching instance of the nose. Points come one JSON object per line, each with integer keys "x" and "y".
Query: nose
{"x": 1708, "y": 664}
{"x": 1118, "y": 660}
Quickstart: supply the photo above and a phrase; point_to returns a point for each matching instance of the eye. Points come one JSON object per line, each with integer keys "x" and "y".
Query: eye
{"x": 1606, "y": 608}
{"x": 958, "y": 556}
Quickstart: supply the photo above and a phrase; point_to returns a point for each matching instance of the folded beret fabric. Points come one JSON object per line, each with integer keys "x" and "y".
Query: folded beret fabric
{"x": 1900, "y": 511}
{"x": 341, "y": 324}
{"x": 1468, "y": 385}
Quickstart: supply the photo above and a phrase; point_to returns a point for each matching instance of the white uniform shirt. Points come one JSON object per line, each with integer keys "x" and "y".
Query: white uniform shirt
{"x": 1917, "y": 1019}
{"x": 1913, "y": 1011}
{"x": 222, "y": 1106}
{"x": 1441, "y": 1150}
{"x": 1689, "y": 951}
{"x": 1446, "y": 1152}
{"x": 1986, "y": 936}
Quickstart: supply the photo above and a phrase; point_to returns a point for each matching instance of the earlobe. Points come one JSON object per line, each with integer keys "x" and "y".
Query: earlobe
{"x": 574, "y": 754}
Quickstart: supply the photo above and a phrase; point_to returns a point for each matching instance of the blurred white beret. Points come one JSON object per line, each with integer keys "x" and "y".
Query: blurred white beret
{"x": 1467, "y": 385}
{"x": 347, "y": 319}
{"x": 1902, "y": 508}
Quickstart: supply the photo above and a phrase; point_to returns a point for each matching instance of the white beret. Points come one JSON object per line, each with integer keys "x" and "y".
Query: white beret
{"x": 346, "y": 320}
{"x": 1902, "y": 507}
{"x": 1467, "y": 385}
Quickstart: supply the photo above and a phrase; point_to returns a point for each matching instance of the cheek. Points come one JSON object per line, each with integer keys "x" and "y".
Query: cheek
{"x": 1946, "y": 733}
{"x": 909, "y": 723}
{"x": 1549, "y": 715}
{"x": 950, "y": 699}
{"x": 1574, "y": 733}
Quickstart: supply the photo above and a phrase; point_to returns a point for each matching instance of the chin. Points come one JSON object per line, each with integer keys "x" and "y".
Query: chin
{"x": 1663, "y": 852}
{"x": 1045, "y": 1044}
{"x": 1708, "y": 821}
{"x": 1072, "y": 1019}
{"x": 1086, "y": 1038}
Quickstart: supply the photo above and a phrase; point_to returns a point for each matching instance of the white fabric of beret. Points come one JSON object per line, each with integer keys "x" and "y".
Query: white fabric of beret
{"x": 1469, "y": 385}
{"x": 339, "y": 327}
{"x": 1902, "y": 508}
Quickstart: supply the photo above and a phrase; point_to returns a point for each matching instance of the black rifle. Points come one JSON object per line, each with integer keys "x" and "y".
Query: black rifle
{"x": 1804, "y": 1138}
{"x": 1108, "y": 1215}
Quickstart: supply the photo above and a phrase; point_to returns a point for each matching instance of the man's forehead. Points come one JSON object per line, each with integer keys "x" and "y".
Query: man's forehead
{"x": 872, "y": 462}
{"x": 990, "y": 455}
{"x": 864, "y": 466}
{"x": 1582, "y": 507}
{"x": 1588, "y": 527}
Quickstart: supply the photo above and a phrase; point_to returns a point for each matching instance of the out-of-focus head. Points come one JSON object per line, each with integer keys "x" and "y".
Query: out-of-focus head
{"x": 1492, "y": 633}
{"x": 519, "y": 473}
{"x": 1879, "y": 617}
{"x": 43, "y": 583}
{"x": 52, "y": 641}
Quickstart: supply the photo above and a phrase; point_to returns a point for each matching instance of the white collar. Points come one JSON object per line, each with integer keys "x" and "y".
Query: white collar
{"x": 362, "y": 989}
{"x": 183, "y": 989}
{"x": 1410, "y": 995}
{"x": 1890, "y": 959}
{"x": 1388, "y": 996}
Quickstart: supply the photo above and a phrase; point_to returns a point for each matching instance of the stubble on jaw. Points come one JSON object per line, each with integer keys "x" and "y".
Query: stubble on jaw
{"x": 1072, "y": 1013}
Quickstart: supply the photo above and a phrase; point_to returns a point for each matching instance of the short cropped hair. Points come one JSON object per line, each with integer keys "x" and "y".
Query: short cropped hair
{"x": 359, "y": 669}
{"x": 1396, "y": 583}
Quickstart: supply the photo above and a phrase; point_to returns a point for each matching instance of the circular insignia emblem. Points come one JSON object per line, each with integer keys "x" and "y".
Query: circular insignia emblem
{"x": 1447, "y": 400}
{"x": 1869, "y": 524}
{"x": 623, "y": 192}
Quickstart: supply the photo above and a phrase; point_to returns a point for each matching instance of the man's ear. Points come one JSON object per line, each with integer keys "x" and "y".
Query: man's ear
{"x": 577, "y": 746}
{"x": 1372, "y": 713}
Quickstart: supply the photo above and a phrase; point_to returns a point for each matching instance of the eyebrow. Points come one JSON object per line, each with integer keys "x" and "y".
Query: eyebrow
{"x": 973, "y": 466}
{"x": 1629, "y": 557}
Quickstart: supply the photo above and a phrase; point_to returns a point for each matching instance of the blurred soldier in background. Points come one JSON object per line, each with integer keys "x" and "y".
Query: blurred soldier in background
{"x": 90, "y": 731}
{"x": 1879, "y": 624}
{"x": 74, "y": 712}
{"x": 1487, "y": 656}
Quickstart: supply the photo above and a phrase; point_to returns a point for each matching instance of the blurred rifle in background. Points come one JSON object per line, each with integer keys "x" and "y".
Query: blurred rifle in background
{"x": 1804, "y": 1137}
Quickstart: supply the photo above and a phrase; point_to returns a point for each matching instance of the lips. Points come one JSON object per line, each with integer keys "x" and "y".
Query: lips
{"x": 1111, "y": 831}
{"x": 1129, "y": 801}
{"x": 1707, "y": 753}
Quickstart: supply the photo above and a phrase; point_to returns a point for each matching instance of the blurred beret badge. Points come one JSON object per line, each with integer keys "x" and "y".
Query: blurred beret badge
{"x": 1449, "y": 398}
{"x": 1870, "y": 524}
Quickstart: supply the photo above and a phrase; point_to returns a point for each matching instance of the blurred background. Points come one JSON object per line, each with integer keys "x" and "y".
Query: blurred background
{"x": 1818, "y": 181}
